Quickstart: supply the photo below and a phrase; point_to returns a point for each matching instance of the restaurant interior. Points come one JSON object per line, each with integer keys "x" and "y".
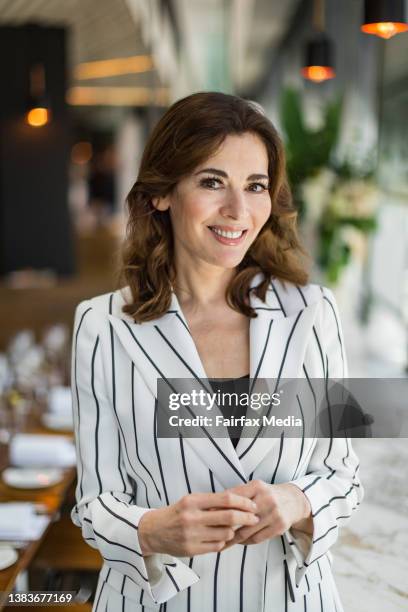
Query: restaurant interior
{"x": 84, "y": 82}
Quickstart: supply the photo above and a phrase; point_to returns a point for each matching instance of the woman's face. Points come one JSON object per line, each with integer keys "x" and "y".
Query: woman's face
{"x": 218, "y": 210}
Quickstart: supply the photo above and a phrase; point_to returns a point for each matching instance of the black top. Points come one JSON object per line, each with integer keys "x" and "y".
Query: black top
{"x": 233, "y": 408}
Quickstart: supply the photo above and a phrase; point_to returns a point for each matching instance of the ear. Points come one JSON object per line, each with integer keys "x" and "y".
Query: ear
{"x": 161, "y": 203}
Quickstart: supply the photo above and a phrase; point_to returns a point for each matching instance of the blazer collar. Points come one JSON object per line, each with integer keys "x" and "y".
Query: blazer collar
{"x": 164, "y": 347}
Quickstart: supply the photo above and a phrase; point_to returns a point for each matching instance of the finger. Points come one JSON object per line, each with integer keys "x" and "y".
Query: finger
{"x": 238, "y": 539}
{"x": 248, "y": 531}
{"x": 227, "y": 499}
{"x": 229, "y": 544}
{"x": 247, "y": 488}
{"x": 262, "y": 534}
{"x": 217, "y": 534}
{"x": 207, "y": 547}
{"x": 230, "y": 518}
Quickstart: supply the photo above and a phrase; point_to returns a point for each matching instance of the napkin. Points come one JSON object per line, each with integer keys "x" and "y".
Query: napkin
{"x": 19, "y": 521}
{"x": 41, "y": 451}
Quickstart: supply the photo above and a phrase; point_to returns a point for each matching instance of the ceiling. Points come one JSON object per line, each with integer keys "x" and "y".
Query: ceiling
{"x": 222, "y": 43}
{"x": 263, "y": 24}
{"x": 98, "y": 29}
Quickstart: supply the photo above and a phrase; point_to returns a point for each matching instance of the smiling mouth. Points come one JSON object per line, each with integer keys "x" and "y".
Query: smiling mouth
{"x": 228, "y": 237}
{"x": 231, "y": 235}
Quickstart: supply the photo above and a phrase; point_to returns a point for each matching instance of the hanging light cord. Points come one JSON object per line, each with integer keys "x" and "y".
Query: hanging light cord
{"x": 318, "y": 15}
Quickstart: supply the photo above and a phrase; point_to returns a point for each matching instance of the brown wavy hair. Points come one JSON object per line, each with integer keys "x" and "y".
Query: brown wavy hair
{"x": 190, "y": 131}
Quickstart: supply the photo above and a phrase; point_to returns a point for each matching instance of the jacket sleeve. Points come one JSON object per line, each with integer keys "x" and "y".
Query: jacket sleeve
{"x": 105, "y": 505}
{"x": 331, "y": 482}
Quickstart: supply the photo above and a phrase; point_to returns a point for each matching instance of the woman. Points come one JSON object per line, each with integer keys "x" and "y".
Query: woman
{"x": 214, "y": 289}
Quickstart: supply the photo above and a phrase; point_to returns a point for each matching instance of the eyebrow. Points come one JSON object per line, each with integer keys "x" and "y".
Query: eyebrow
{"x": 251, "y": 177}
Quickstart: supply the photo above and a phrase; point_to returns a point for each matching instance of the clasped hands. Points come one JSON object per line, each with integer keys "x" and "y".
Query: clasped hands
{"x": 211, "y": 522}
{"x": 278, "y": 507}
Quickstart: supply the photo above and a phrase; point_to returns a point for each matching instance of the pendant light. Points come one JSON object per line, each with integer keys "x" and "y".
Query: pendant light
{"x": 384, "y": 18}
{"x": 318, "y": 66}
{"x": 38, "y": 112}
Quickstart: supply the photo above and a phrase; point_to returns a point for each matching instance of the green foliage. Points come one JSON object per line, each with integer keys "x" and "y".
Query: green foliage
{"x": 307, "y": 150}
{"x": 333, "y": 252}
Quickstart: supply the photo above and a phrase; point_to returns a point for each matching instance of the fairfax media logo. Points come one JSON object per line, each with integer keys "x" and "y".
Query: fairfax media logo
{"x": 207, "y": 421}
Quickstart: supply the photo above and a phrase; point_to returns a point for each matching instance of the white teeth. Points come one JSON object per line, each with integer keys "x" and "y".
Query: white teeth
{"x": 227, "y": 234}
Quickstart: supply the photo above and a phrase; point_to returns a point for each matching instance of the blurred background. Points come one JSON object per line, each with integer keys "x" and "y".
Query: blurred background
{"x": 84, "y": 82}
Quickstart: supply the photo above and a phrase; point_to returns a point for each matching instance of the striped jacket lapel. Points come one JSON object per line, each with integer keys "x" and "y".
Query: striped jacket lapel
{"x": 164, "y": 348}
{"x": 278, "y": 340}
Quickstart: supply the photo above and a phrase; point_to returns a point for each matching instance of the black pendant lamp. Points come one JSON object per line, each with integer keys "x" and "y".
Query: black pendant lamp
{"x": 38, "y": 111}
{"x": 318, "y": 65}
{"x": 38, "y": 108}
{"x": 384, "y": 18}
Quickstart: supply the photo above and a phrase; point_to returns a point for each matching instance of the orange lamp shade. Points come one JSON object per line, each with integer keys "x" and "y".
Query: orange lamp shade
{"x": 38, "y": 116}
{"x": 384, "y": 29}
{"x": 318, "y": 63}
{"x": 317, "y": 74}
{"x": 385, "y": 18}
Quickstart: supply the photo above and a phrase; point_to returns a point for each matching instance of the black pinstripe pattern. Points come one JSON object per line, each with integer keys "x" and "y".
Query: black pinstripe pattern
{"x": 338, "y": 328}
{"x": 156, "y": 446}
{"x": 97, "y": 415}
{"x": 184, "y": 463}
{"x": 303, "y": 436}
{"x": 136, "y": 439}
{"x": 130, "y": 565}
{"x": 121, "y": 590}
{"x": 190, "y": 565}
{"x": 77, "y": 392}
{"x": 265, "y": 581}
{"x": 215, "y": 585}
{"x": 170, "y": 575}
{"x": 121, "y": 518}
{"x": 132, "y": 463}
{"x": 100, "y": 593}
{"x": 258, "y": 367}
{"x": 276, "y": 385}
{"x": 132, "y": 550}
{"x": 112, "y": 342}
{"x": 241, "y": 579}
{"x": 288, "y": 584}
{"x": 210, "y": 438}
{"x": 332, "y": 499}
{"x": 282, "y": 436}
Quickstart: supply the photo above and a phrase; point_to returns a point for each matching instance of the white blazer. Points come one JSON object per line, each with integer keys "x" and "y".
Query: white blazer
{"x": 124, "y": 469}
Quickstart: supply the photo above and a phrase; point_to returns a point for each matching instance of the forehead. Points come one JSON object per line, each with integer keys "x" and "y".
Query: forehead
{"x": 246, "y": 150}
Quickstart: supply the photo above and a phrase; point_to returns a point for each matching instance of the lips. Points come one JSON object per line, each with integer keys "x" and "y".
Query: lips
{"x": 228, "y": 235}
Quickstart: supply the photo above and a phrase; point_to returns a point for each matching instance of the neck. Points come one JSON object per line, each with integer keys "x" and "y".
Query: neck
{"x": 202, "y": 286}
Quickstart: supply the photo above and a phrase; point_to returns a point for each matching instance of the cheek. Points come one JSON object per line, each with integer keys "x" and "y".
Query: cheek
{"x": 183, "y": 217}
{"x": 191, "y": 211}
{"x": 261, "y": 212}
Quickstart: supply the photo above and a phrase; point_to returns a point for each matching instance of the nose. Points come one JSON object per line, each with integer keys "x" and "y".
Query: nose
{"x": 235, "y": 205}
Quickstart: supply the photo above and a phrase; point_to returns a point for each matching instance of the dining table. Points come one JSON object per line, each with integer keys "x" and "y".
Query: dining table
{"x": 49, "y": 501}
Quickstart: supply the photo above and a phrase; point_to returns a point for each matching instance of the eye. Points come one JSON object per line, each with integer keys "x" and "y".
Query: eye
{"x": 263, "y": 187}
{"x": 209, "y": 182}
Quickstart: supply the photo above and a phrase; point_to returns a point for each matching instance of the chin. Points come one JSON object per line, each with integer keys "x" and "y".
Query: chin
{"x": 229, "y": 263}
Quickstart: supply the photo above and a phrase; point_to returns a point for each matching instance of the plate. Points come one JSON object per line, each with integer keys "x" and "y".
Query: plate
{"x": 31, "y": 478}
{"x": 57, "y": 422}
{"x": 8, "y": 556}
